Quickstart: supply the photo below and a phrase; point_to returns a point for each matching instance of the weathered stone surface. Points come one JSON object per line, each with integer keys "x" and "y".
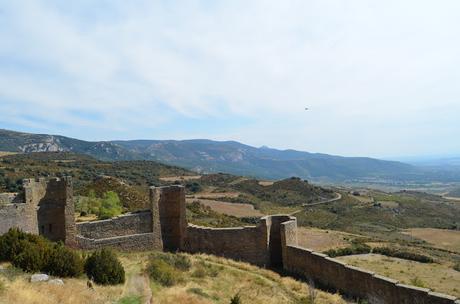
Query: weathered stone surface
{"x": 56, "y": 282}
{"x": 39, "y": 277}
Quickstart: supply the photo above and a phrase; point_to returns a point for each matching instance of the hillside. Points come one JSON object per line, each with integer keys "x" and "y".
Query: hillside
{"x": 84, "y": 170}
{"x": 209, "y": 280}
{"x": 454, "y": 193}
{"x": 212, "y": 156}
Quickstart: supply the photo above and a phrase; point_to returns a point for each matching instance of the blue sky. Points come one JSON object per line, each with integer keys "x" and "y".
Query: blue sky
{"x": 381, "y": 78}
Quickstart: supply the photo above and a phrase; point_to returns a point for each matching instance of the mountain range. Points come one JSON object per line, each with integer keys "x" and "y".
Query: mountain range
{"x": 207, "y": 156}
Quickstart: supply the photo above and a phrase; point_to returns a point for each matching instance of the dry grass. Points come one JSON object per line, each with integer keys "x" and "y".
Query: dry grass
{"x": 180, "y": 178}
{"x": 440, "y": 278}
{"x": 363, "y": 199}
{"x": 321, "y": 240}
{"x": 235, "y": 209}
{"x": 266, "y": 183}
{"x": 255, "y": 285}
{"x": 440, "y": 238}
{"x": 74, "y": 291}
{"x": 389, "y": 204}
{"x": 216, "y": 195}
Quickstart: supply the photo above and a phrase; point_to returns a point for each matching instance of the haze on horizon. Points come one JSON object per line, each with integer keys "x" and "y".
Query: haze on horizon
{"x": 379, "y": 78}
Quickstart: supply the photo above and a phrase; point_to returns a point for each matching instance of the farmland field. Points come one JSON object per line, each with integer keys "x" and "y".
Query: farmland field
{"x": 439, "y": 238}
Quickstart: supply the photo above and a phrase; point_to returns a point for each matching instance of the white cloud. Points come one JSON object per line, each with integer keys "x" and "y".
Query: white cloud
{"x": 380, "y": 77}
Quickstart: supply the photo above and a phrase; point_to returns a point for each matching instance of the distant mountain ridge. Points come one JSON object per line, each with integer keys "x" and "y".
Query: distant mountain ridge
{"x": 209, "y": 156}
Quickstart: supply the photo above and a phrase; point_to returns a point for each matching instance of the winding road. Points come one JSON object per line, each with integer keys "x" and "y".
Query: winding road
{"x": 336, "y": 198}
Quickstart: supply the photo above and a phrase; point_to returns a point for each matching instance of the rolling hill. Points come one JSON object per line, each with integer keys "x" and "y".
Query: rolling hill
{"x": 209, "y": 156}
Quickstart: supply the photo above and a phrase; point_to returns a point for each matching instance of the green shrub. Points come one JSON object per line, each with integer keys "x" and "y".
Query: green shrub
{"x": 103, "y": 267}
{"x": 357, "y": 248}
{"x": 193, "y": 187}
{"x": 110, "y": 206}
{"x": 203, "y": 269}
{"x": 417, "y": 282}
{"x": 179, "y": 261}
{"x": 163, "y": 273}
{"x": 397, "y": 253}
{"x": 64, "y": 262}
{"x": 31, "y": 257}
{"x": 9, "y": 244}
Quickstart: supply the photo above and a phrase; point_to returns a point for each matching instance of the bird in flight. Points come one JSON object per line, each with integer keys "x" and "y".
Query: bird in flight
{"x": 306, "y": 109}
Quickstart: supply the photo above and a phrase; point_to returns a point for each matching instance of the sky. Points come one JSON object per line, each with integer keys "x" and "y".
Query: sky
{"x": 380, "y": 78}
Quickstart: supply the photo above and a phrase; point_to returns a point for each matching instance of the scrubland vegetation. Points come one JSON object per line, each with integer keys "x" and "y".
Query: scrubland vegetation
{"x": 169, "y": 279}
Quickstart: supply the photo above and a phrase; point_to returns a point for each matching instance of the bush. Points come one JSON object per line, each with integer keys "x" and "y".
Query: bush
{"x": 110, "y": 206}
{"x": 179, "y": 261}
{"x": 9, "y": 244}
{"x": 357, "y": 248}
{"x": 392, "y": 252}
{"x": 203, "y": 269}
{"x": 64, "y": 262}
{"x": 103, "y": 267}
{"x": 193, "y": 187}
{"x": 163, "y": 273}
{"x": 31, "y": 256}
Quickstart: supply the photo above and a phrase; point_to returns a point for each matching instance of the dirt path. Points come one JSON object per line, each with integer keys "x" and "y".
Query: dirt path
{"x": 338, "y": 197}
{"x": 139, "y": 285}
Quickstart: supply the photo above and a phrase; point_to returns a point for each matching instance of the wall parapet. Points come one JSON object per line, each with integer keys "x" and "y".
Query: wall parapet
{"x": 333, "y": 274}
{"x": 125, "y": 224}
{"x": 133, "y": 242}
{"x": 249, "y": 244}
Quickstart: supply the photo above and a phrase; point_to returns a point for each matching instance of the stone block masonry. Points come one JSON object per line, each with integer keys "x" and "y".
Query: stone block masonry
{"x": 127, "y": 224}
{"x": 46, "y": 208}
{"x": 359, "y": 283}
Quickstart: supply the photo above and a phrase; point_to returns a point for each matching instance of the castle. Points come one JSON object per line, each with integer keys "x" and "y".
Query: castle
{"x": 47, "y": 208}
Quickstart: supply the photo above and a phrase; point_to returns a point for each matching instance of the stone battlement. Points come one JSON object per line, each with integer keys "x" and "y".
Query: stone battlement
{"x": 46, "y": 208}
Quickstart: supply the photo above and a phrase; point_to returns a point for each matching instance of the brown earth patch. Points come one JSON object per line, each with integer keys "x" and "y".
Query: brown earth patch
{"x": 321, "y": 240}
{"x": 440, "y": 238}
{"x": 235, "y": 209}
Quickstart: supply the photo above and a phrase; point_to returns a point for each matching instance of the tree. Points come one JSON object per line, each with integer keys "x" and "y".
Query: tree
{"x": 110, "y": 206}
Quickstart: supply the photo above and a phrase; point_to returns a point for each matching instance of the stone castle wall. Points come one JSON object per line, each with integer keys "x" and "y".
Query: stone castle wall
{"x": 47, "y": 209}
{"x": 249, "y": 244}
{"x": 132, "y": 223}
{"x": 335, "y": 275}
{"x": 44, "y": 207}
{"x": 160, "y": 228}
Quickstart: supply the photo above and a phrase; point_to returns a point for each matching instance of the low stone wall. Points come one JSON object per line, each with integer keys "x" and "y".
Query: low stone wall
{"x": 127, "y": 224}
{"x": 249, "y": 244}
{"x": 134, "y": 242}
{"x": 356, "y": 282}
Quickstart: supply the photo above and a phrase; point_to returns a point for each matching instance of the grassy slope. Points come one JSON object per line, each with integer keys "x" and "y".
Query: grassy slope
{"x": 254, "y": 284}
{"x": 438, "y": 277}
